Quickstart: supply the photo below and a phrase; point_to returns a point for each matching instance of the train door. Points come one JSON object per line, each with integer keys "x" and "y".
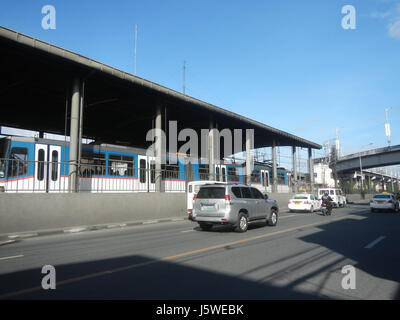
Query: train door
{"x": 54, "y": 175}
{"x": 265, "y": 179}
{"x": 47, "y": 168}
{"x": 223, "y": 173}
{"x": 147, "y": 174}
{"x": 220, "y": 173}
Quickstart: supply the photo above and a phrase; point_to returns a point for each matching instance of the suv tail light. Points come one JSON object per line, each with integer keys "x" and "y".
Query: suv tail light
{"x": 194, "y": 197}
{"x": 227, "y": 199}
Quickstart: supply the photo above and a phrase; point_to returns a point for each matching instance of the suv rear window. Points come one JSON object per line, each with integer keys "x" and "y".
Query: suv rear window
{"x": 211, "y": 193}
{"x": 382, "y": 196}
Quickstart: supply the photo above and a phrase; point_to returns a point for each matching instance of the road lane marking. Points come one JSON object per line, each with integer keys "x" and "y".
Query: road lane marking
{"x": 12, "y": 257}
{"x": 373, "y": 243}
{"x": 184, "y": 254}
{"x": 150, "y": 221}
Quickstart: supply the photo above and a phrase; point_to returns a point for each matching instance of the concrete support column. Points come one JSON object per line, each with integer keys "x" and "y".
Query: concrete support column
{"x": 211, "y": 150}
{"x": 274, "y": 171}
{"x": 81, "y": 103}
{"x": 74, "y": 137}
{"x": 158, "y": 151}
{"x": 249, "y": 158}
{"x": 294, "y": 187}
{"x": 311, "y": 169}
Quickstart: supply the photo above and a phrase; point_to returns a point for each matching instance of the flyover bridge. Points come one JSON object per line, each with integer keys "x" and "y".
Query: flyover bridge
{"x": 375, "y": 158}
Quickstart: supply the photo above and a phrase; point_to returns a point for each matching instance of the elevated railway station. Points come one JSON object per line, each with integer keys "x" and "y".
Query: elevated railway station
{"x": 49, "y": 89}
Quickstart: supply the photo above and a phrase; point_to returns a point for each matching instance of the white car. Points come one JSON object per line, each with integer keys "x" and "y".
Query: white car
{"x": 304, "y": 202}
{"x": 384, "y": 201}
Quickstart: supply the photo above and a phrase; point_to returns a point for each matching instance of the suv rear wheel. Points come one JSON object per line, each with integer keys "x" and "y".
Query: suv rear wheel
{"x": 243, "y": 223}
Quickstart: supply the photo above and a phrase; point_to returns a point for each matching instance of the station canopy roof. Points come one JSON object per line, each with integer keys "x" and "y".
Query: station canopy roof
{"x": 36, "y": 83}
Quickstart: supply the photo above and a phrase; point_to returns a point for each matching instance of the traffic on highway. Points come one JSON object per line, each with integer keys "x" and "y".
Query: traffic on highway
{"x": 304, "y": 256}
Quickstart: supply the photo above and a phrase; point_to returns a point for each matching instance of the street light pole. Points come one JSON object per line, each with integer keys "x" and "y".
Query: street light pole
{"x": 361, "y": 170}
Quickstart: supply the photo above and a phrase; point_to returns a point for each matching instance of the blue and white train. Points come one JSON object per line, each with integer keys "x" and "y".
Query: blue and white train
{"x": 41, "y": 165}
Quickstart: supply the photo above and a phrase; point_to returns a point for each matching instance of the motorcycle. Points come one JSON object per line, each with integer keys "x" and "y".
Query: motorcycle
{"x": 326, "y": 210}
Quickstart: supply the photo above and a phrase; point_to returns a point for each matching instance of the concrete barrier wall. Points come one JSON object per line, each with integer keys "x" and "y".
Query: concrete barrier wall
{"x": 31, "y": 212}
{"x": 35, "y": 212}
{"x": 353, "y": 198}
{"x": 282, "y": 200}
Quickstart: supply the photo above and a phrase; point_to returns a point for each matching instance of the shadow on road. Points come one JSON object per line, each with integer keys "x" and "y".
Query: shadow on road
{"x": 142, "y": 278}
{"x": 382, "y": 262}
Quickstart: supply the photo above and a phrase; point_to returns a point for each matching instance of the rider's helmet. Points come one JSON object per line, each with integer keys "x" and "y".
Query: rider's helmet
{"x": 326, "y": 193}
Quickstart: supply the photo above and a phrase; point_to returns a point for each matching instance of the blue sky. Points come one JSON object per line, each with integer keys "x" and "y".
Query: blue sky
{"x": 287, "y": 63}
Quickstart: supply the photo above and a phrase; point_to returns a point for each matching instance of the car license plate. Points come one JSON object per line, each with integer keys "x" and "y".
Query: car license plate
{"x": 207, "y": 208}
{"x": 380, "y": 202}
{"x": 297, "y": 202}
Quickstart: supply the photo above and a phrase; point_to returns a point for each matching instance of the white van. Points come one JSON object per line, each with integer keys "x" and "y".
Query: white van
{"x": 192, "y": 190}
{"x": 338, "y": 197}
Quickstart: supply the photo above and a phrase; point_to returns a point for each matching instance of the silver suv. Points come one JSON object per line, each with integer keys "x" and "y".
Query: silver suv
{"x": 233, "y": 204}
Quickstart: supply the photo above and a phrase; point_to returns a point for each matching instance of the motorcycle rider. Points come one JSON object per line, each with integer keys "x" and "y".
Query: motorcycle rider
{"x": 327, "y": 199}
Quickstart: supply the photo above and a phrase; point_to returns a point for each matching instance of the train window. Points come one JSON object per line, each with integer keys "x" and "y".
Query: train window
{"x": 142, "y": 165}
{"x": 170, "y": 170}
{"x": 40, "y": 166}
{"x": 54, "y": 165}
{"x": 204, "y": 171}
{"x": 3, "y": 148}
{"x": 232, "y": 174}
{"x": 217, "y": 173}
{"x": 152, "y": 171}
{"x": 223, "y": 174}
{"x": 3, "y": 161}
{"x": 92, "y": 163}
{"x": 18, "y": 164}
{"x": 119, "y": 165}
{"x": 255, "y": 176}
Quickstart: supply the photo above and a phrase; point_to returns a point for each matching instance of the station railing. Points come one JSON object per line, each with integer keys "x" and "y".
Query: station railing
{"x": 20, "y": 175}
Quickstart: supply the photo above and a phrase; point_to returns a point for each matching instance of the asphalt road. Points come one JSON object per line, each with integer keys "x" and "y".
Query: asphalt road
{"x": 301, "y": 258}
